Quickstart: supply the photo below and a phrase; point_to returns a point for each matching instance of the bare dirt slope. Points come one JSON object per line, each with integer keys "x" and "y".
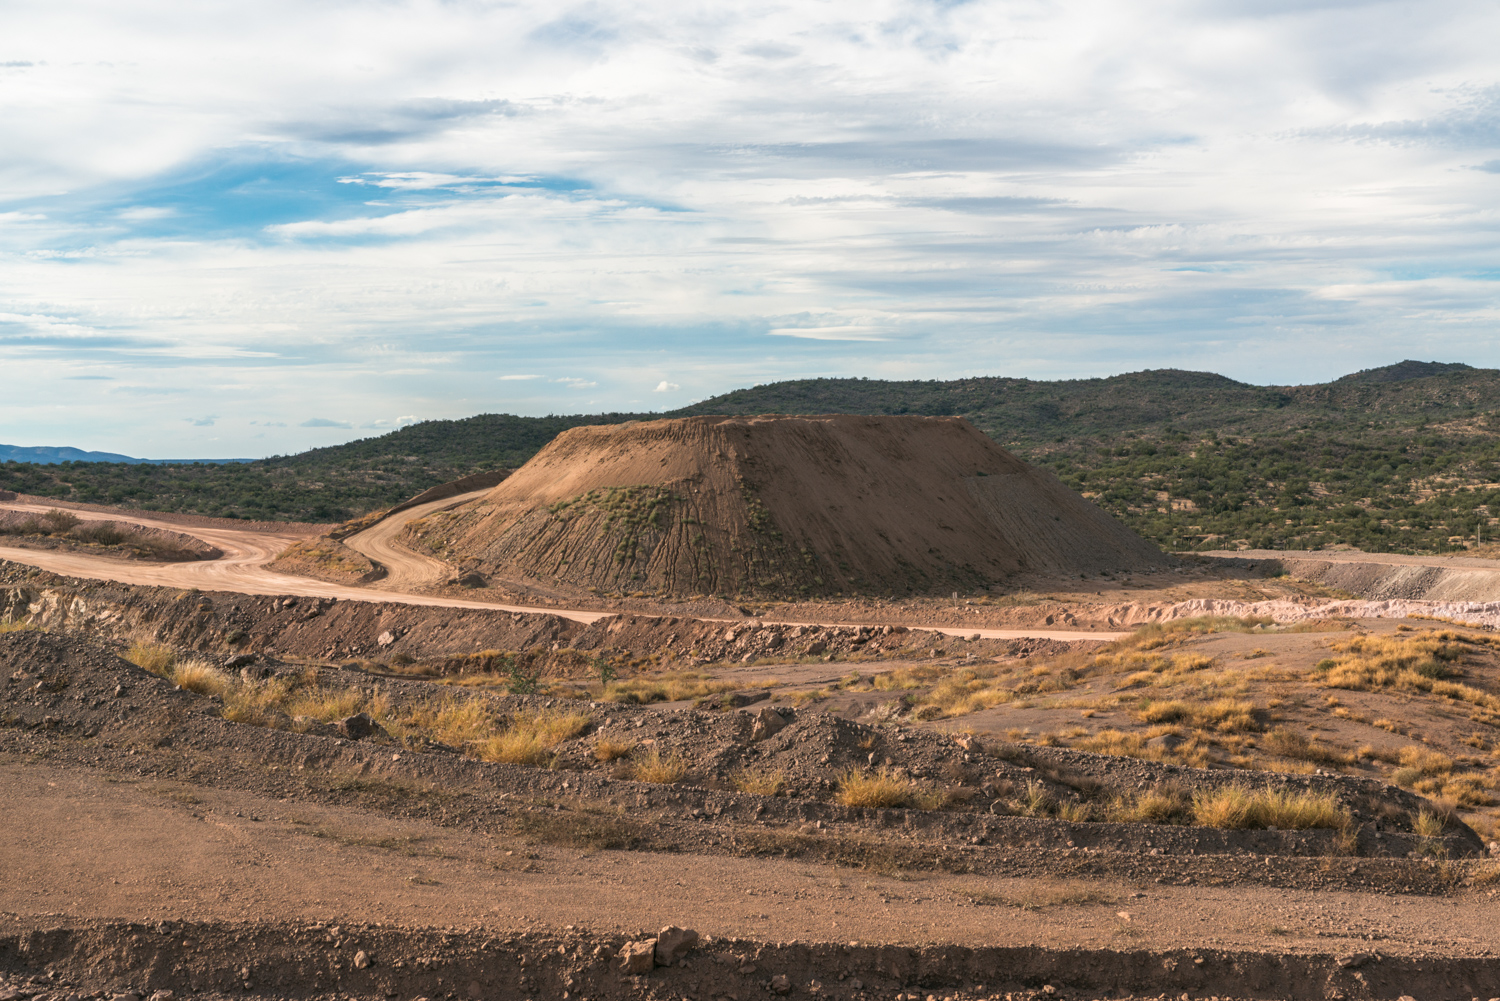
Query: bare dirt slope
{"x": 780, "y": 505}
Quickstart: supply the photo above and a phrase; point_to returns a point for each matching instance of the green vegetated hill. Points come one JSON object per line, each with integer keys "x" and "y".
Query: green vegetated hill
{"x": 1404, "y": 458}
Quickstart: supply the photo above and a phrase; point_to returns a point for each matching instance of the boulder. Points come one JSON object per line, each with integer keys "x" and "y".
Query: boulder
{"x": 359, "y": 726}
{"x": 781, "y": 984}
{"x": 638, "y": 957}
{"x": 768, "y": 722}
{"x": 673, "y": 944}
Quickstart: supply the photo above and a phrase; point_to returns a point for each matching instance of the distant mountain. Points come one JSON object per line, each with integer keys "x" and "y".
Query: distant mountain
{"x": 50, "y": 455}
{"x": 1339, "y": 448}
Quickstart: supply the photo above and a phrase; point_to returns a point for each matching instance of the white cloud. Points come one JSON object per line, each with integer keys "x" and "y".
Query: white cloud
{"x": 466, "y": 193}
{"x": 399, "y": 422}
{"x": 324, "y": 422}
{"x": 666, "y": 387}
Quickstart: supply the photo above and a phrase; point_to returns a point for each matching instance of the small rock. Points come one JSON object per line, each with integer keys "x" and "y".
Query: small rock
{"x": 361, "y": 960}
{"x": 780, "y": 984}
{"x": 856, "y": 985}
{"x": 969, "y": 742}
{"x": 673, "y": 943}
{"x": 161, "y": 996}
{"x": 359, "y": 726}
{"x": 126, "y": 997}
{"x": 385, "y": 639}
{"x": 638, "y": 957}
{"x": 768, "y": 722}
{"x": 1165, "y": 742}
{"x": 747, "y": 968}
{"x": 1355, "y": 961}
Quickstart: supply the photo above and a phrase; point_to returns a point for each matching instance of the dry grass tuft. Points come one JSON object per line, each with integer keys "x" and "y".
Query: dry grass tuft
{"x": 530, "y": 737}
{"x": 201, "y": 677}
{"x": 760, "y": 781}
{"x": 612, "y": 750}
{"x": 1427, "y": 824}
{"x": 1239, "y": 807}
{"x": 154, "y": 657}
{"x": 874, "y": 789}
{"x": 659, "y": 768}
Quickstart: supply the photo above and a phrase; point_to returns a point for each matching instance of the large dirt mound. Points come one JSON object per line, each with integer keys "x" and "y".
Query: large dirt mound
{"x": 781, "y": 505}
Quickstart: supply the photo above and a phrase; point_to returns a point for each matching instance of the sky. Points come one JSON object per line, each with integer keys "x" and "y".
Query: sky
{"x": 241, "y": 229}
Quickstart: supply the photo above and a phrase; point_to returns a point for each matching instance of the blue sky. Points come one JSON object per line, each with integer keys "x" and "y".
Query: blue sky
{"x": 236, "y": 230}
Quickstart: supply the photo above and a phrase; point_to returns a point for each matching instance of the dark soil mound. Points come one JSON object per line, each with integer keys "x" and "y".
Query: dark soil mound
{"x": 781, "y": 505}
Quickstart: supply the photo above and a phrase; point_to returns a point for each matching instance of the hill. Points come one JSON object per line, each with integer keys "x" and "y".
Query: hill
{"x": 1401, "y": 458}
{"x": 780, "y": 505}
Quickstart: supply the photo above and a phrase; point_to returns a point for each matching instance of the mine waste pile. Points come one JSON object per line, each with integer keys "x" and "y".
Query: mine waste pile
{"x": 779, "y": 505}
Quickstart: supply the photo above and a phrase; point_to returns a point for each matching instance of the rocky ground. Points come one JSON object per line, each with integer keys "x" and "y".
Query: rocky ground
{"x": 186, "y": 838}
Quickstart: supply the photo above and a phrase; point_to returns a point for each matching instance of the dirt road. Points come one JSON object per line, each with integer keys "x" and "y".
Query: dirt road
{"x": 405, "y": 570}
{"x": 246, "y": 553}
{"x": 93, "y": 839}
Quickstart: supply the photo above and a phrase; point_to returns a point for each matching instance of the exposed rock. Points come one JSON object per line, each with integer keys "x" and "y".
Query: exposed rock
{"x": 673, "y": 944}
{"x": 781, "y": 984}
{"x": 1165, "y": 742}
{"x": 638, "y": 957}
{"x": 768, "y": 722}
{"x": 361, "y": 960}
{"x": 385, "y": 639}
{"x": 359, "y": 726}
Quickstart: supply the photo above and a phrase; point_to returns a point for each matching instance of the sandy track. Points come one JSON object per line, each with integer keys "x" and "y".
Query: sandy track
{"x": 246, "y": 553}
{"x": 405, "y": 569}
{"x": 93, "y": 848}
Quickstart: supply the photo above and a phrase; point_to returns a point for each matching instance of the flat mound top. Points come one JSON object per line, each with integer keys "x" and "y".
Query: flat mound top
{"x": 779, "y": 504}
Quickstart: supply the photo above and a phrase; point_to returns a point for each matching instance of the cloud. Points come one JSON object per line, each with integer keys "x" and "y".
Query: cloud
{"x": 849, "y": 333}
{"x": 201, "y": 422}
{"x": 269, "y": 424}
{"x": 666, "y": 387}
{"x": 398, "y": 422}
{"x": 323, "y": 422}
{"x": 488, "y": 192}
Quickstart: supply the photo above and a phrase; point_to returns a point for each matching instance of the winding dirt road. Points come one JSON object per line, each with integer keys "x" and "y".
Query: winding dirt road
{"x": 405, "y": 569}
{"x": 246, "y": 553}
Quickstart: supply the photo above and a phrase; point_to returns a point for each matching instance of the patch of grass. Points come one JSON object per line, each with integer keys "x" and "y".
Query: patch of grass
{"x": 1223, "y": 715}
{"x": 1161, "y": 805}
{"x": 9, "y": 626}
{"x": 530, "y": 737}
{"x": 612, "y": 750}
{"x": 1240, "y": 807}
{"x": 1427, "y": 824}
{"x": 874, "y": 789}
{"x": 154, "y": 657}
{"x": 201, "y": 677}
{"x": 680, "y": 686}
{"x": 760, "y": 781}
{"x": 1290, "y": 744}
{"x": 659, "y": 768}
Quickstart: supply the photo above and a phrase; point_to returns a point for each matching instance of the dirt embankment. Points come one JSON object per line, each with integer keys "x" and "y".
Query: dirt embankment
{"x": 61, "y": 530}
{"x": 779, "y": 505}
{"x": 228, "y": 623}
{"x": 304, "y": 960}
{"x": 70, "y": 698}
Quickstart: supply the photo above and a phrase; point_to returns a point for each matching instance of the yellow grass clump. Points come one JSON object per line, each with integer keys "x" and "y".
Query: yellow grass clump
{"x": 1239, "y": 807}
{"x": 199, "y": 676}
{"x": 760, "y": 781}
{"x": 154, "y": 657}
{"x": 612, "y": 750}
{"x": 530, "y": 737}
{"x": 656, "y": 767}
{"x": 874, "y": 789}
